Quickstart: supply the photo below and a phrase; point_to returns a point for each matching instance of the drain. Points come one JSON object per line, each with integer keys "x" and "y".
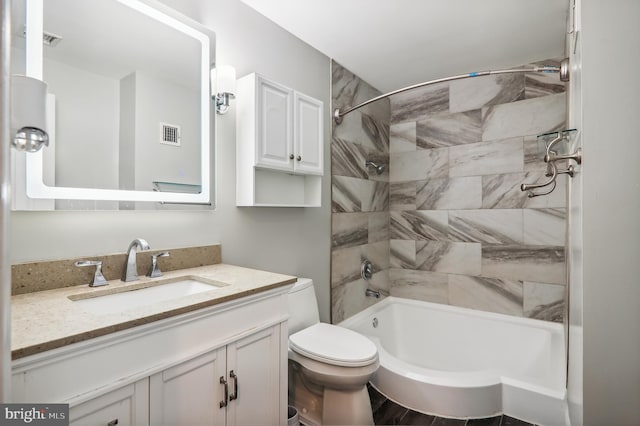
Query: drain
{"x": 375, "y": 323}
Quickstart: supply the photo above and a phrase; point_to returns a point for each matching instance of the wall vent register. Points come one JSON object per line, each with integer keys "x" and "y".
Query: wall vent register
{"x": 170, "y": 134}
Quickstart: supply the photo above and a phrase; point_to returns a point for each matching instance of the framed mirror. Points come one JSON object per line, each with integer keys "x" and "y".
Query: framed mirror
{"x": 129, "y": 102}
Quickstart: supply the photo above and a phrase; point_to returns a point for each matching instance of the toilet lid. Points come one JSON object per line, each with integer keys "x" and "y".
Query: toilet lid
{"x": 334, "y": 345}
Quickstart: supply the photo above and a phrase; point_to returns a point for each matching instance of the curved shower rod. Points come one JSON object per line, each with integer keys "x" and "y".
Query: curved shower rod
{"x": 563, "y": 70}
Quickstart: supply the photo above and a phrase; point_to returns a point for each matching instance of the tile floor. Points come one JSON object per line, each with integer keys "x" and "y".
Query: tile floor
{"x": 387, "y": 412}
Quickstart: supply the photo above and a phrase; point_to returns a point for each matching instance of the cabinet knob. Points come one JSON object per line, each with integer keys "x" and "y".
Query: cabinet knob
{"x": 290, "y": 156}
{"x": 113, "y": 422}
{"x": 299, "y": 158}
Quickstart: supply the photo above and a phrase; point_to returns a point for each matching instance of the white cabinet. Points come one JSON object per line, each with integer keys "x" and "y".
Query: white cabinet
{"x": 234, "y": 386}
{"x": 174, "y": 371}
{"x": 125, "y": 406}
{"x": 279, "y": 146}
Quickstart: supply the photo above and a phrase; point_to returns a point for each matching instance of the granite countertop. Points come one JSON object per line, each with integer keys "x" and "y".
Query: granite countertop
{"x": 46, "y": 320}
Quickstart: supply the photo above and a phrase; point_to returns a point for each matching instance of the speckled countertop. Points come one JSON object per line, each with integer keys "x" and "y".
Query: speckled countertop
{"x": 49, "y": 319}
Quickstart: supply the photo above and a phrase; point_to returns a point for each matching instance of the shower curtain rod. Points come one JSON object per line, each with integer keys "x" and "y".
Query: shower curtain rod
{"x": 563, "y": 69}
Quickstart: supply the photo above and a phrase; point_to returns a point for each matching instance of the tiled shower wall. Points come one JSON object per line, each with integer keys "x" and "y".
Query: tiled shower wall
{"x": 462, "y": 233}
{"x": 359, "y": 196}
{"x": 447, "y": 222}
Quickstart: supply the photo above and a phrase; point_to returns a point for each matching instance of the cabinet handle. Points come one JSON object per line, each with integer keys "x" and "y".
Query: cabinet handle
{"x": 290, "y": 156}
{"x": 113, "y": 422}
{"x": 223, "y": 403}
{"x": 234, "y": 395}
{"x": 299, "y": 158}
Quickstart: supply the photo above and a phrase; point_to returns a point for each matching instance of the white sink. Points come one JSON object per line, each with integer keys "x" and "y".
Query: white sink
{"x": 108, "y": 301}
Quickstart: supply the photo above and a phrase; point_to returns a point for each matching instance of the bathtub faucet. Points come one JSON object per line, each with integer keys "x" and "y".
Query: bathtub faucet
{"x": 372, "y": 293}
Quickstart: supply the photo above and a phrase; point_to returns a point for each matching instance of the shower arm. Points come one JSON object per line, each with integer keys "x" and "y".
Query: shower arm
{"x": 563, "y": 69}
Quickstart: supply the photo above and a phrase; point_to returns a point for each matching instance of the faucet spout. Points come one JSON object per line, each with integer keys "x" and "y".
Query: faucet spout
{"x": 131, "y": 266}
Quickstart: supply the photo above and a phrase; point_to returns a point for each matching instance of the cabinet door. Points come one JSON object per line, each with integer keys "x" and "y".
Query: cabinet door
{"x": 189, "y": 393}
{"x": 255, "y": 363}
{"x": 274, "y": 126}
{"x": 125, "y": 406}
{"x": 308, "y": 134}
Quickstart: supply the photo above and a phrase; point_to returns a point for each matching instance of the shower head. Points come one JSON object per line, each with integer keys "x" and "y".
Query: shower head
{"x": 378, "y": 167}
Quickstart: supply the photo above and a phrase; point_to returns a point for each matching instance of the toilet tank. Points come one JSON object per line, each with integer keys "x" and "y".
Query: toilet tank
{"x": 303, "y": 305}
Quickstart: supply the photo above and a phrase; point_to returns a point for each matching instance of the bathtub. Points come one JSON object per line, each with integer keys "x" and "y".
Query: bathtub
{"x": 462, "y": 363}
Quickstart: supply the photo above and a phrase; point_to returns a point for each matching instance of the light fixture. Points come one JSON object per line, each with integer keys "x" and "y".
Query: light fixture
{"x": 28, "y": 113}
{"x": 223, "y": 80}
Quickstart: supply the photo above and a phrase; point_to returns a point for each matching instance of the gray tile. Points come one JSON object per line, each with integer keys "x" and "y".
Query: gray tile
{"x": 510, "y": 421}
{"x": 545, "y": 226}
{"x": 376, "y": 130}
{"x": 349, "y": 299}
{"x": 474, "y": 93}
{"x": 419, "y": 165}
{"x": 402, "y": 196}
{"x": 488, "y": 421}
{"x": 345, "y": 264}
{"x": 487, "y": 158}
{"x": 389, "y": 413}
{"x": 544, "y": 301}
{"x": 378, "y": 226}
{"x": 441, "y": 421}
{"x": 449, "y": 193}
{"x": 415, "y": 418}
{"x": 347, "y": 193}
{"x": 402, "y": 137}
{"x": 503, "y": 191}
{"x": 486, "y": 226}
{"x": 444, "y": 130}
{"x": 543, "y": 84}
{"x": 349, "y": 229}
{"x": 419, "y": 225}
{"x": 348, "y": 90}
{"x": 375, "y": 197}
{"x": 533, "y": 154}
{"x": 523, "y": 118}
{"x": 419, "y": 285}
{"x": 524, "y": 262}
{"x": 378, "y": 158}
{"x": 445, "y": 256}
{"x": 378, "y": 253}
{"x": 486, "y": 294}
{"x": 376, "y": 398}
{"x": 413, "y": 104}
{"x": 403, "y": 254}
{"x": 347, "y": 159}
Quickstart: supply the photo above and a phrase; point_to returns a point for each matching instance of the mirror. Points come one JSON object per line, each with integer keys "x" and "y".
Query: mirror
{"x": 128, "y": 102}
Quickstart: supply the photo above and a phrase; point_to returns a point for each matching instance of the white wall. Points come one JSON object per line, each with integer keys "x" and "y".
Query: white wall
{"x": 610, "y": 211}
{"x": 286, "y": 240}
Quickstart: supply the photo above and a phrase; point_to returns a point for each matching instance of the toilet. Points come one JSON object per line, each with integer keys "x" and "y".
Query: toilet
{"x": 329, "y": 366}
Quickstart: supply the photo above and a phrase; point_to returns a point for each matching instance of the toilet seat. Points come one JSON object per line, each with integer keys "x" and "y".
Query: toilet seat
{"x": 334, "y": 345}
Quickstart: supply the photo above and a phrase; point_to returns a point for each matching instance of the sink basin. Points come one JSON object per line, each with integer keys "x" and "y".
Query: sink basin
{"x": 110, "y": 300}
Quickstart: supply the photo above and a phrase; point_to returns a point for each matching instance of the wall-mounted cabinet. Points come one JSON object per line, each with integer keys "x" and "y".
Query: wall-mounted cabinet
{"x": 279, "y": 147}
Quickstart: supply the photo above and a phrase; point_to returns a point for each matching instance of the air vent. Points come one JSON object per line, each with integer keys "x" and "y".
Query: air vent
{"x": 49, "y": 39}
{"x": 169, "y": 134}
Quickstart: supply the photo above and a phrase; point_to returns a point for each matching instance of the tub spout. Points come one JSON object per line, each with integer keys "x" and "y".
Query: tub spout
{"x": 372, "y": 293}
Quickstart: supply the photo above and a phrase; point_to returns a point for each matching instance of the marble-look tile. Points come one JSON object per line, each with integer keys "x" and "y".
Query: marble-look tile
{"x": 376, "y": 130}
{"x": 545, "y": 226}
{"x": 378, "y": 226}
{"x": 533, "y": 155}
{"x": 346, "y": 194}
{"x": 419, "y": 165}
{"x": 347, "y": 159}
{"x": 347, "y": 90}
{"x": 419, "y": 225}
{"x": 389, "y": 413}
{"x": 377, "y": 199}
{"x": 349, "y": 229}
{"x": 474, "y": 93}
{"x": 494, "y": 226}
{"x": 403, "y": 254}
{"x": 445, "y": 256}
{"x": 349, "y": 299}
{"x": 415, "y": 418}
{"x": 503, "y": 191}
{"x": 544, "y": 301}
{"x": 486, "y": 294}
{"x": 345, "y": 264}
{"x": 379, "y": 158}
{"x": 402, "y": 196}
{"x": 443, "y": 421}
{"x": 543, "y": 84}
{"x": 419, "y": 285}
{"x": 378, "y": 253}
{"x": 402, "y": 137}
{"x": 523, "y": 118}
{"x": 454, "y": 193}
{"x": 413, "y": 104}
{"x": 524, "y": 262}
{"x": 380, "y": 281}
{"x": 487, "y": 158}
{"x": 444, "y": 130}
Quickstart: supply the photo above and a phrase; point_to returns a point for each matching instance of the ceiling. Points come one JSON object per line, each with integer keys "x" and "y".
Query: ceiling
{"x": 395, "y": 43}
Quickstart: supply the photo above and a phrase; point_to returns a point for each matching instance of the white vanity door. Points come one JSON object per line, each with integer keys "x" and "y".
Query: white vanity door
{"x": 308, "y": 134}
{"x": 274, "y": 126}
{"x": 189, "y": 393}
{"x": 126, "y": 406}
{"x": 255, "y": 361}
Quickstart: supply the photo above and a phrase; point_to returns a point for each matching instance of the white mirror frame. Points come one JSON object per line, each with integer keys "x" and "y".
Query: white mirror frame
{"x": 35, "y": 186}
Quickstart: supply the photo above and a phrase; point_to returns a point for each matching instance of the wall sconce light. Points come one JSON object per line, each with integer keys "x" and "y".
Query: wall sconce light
{"x": 28, "y": 113}
{"x": 223, "y": 79}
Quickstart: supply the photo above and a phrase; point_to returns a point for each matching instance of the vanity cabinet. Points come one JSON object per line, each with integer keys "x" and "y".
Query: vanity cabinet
{"x": 172, "y": 371}
{"x": 279, "y": 147}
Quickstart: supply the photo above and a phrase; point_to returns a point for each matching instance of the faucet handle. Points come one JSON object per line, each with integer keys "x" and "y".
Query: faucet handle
{"x": 155, "y": 271}
{"x": 98, "y": 278}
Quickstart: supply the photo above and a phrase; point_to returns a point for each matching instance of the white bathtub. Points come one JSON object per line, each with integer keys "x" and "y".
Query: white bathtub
{"x": 463, "y": 363}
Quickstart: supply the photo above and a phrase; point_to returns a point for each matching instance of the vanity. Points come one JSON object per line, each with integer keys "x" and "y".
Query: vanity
{"x": 215, "y": 357}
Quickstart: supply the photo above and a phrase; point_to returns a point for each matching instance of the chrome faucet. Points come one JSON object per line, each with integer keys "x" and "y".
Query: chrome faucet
{"x": 130, "y": 266}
